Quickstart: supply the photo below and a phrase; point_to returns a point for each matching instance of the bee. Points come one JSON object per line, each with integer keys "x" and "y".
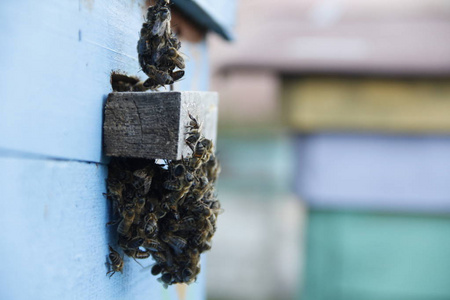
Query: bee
{"x": 135, "y": 243}
{"x": 174, "y": 42}
{"x": 177, "y": 243}
{"x": 191, "y": 266}
{"x": 152, "y": 10}
{"x": 199, "y": 238}
{"x": 156, "y": 78}
{"x": 156, "y": 269}
{"x": 212, "y": 168}
{"x": 177, "y": 75}
{"x": 194, "y": 257}
{"x": 205, "y": 225}
{"x": 180, "y": 184}
{"x": 201, "y": 208}
{"x": 165, "y": 259}
{"x": 166, "y": 279}
{"x": 176, "y": 197}
{"x": 137, "y": 253}
{"x": 192, "y": 138}
{"x": 161, "y": 22}
{"x": 161, "y": 213}
{"x": 205, "y": 246}
{"x": 174, "y": 58}
{"x": 193, "y": 135}
{"x": 158, "y": 48}
{"x": 144, "y": 179}
{"x": 150, "y": 224}
{"x": 193, "y": 124}
{"x": 124, "y": 83}
{"x": 199, "y": 150}
{"x": 186, "y": 224}
{"x": 160, "y": 257}
{"x": 153, "y": 245}
{"x": 201, "y": 153}
{"x": 143, "y": 45}
{"x": 173, "y": 185}
{"x": 115, "y": 190}
{"x": 202, "y": 188}
{"x": 216, "y": 208}
{"x": 138, "y": 207}
{"x": 187, "y": 275}
{"x": 179, "y": 170}
{"x": 125, "y": 224}
{"x": 116, "y": 262}
{"x": 198, "y": 194}
{"x": 207, "y": 146}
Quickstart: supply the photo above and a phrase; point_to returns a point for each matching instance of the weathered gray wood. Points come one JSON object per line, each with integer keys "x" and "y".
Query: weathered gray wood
{"x": 153, "y": 125}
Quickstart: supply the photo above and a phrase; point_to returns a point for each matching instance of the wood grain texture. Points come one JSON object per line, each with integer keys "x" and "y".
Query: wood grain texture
{"x": 153, "y": 125}
{"x": 53, "y": 215}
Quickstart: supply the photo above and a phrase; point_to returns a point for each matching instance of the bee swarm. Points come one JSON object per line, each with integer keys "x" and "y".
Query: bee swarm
{"x": 167, "y": 211}
{"x": 158, "y": 48}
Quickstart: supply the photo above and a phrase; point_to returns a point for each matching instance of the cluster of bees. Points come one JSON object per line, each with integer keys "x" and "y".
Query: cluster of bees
{"x": 158, "y": 48}
{"x": 124, "y": 83}
{"x": 167, "y": 211}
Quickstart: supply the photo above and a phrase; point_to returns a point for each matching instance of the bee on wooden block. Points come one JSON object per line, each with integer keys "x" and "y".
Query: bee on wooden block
{"x": 193, "y": 135}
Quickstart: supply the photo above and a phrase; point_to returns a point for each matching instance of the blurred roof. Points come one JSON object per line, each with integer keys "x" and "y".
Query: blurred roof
{"x": 217, "y": 15}
{"x": 342, "y": 36}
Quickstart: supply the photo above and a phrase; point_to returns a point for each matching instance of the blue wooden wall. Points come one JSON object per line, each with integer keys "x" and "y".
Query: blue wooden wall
{"x": 56, "y": 58}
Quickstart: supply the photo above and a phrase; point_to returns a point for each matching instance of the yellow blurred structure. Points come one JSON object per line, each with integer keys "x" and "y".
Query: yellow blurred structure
{"x": 367, "y": 104}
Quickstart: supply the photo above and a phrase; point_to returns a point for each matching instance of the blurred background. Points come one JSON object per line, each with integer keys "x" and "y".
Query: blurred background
{"x": 333, "y": 137}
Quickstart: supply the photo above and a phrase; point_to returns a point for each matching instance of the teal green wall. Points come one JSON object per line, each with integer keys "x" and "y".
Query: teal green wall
{"x": 365, "y": 256}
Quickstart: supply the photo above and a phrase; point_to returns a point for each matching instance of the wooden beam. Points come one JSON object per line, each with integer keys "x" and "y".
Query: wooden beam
{"x": 153, "y": 125}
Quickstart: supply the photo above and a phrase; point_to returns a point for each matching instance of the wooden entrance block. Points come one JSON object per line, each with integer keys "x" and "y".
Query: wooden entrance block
{"x": 153, "y": 125}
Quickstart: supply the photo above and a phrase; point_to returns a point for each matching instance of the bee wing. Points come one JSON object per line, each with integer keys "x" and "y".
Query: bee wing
{"x": 142, "y": 173}
{"x": 160, "y": 27}
{"x": 218, "y": 211}
{"x": 147, "y": 184}
{"x": 145, "y": 269}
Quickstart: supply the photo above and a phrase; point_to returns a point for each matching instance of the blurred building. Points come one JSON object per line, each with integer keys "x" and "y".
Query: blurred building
{"x": 346, "y": 103}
